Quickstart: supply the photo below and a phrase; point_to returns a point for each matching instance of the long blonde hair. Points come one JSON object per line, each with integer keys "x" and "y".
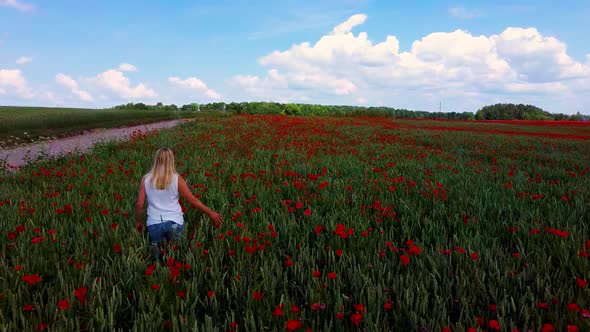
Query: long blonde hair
{"x": 163, "y": 169}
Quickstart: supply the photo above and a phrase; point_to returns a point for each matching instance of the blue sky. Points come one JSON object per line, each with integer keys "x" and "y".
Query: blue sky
{"x": 411, "y": 54}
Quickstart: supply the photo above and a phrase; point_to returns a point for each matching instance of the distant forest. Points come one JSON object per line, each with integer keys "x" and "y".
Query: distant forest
{"x": 490, "y": 112}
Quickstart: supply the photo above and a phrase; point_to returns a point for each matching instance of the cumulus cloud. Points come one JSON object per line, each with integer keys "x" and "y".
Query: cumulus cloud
{"x": 464, "y": 13}
{"x": 116, "y": 82}
{"x": 127, "y": 67}
{"x": 346, "y": 26}
{"x": 13, "y": 82}
{"x": 24, "y": 60}
{"x": 195, "y": 84}
{"x": 23, "y": 7}
{"x": 517, "y": 61}
{"x": 538, "y": 59}
{"x": 70, "y": 83}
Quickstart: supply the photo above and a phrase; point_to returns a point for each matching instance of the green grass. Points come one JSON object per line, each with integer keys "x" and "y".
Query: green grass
{"x": 519, "y": 202}
{"x": 28, "y": 124}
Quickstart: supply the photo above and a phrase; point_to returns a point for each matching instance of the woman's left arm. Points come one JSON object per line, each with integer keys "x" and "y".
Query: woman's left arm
{"x": 139, "y": 206}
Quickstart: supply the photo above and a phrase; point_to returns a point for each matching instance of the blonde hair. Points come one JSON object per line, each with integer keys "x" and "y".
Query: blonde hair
{"x": 163, "y": 169}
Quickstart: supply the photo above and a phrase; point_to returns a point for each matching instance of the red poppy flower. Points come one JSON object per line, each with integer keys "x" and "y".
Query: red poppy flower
{"x": 41, "y": 327}
{"x": 572, "y": 328}
{"x": 573, "y": 307}
{"x": 278, "y": 310}
{"x": 494, "y": 325}
{"x": 317, "y": 274}
{"x": 414, "y": 250}
{"x": 293, "y": 325}
{"x": 356, "y": 319}
{"x": 117, "y": 247}
{"x": 258, "y": 295}
{"x": 210, "y": 294}
{"x": 28, "y": 307}
{"x": 80, "y": 294}
{"x": 481, "y": 322}
{"x": 150, "y": 270}
{"x": 31, "y": 279}
{"x": 474, "y": 256}
{"x": 307, "y": 212}
{"x": 332, "y": 275}
{"x": 360, "y": 308}
{"x": 581, "y": 282}
{"x": 155, "y": 286}
{"x": 319, "y": 229}
{"x": 547, "y": 328}
{"x": 64, "y": 304}
{"x": 405, "y": 260}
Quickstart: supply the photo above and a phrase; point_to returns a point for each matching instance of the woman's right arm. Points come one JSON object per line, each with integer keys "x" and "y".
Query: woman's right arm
{"x": 141, "y": 196}
{"x": 185, "y": 192}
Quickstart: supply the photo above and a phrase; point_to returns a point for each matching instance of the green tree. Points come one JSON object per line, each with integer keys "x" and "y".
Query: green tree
{"x": 292, "y": 109}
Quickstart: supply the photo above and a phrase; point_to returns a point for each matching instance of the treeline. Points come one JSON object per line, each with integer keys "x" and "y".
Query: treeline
{"x": 522, "y": 112}
{"x": 301, "y": 109}
{"x": 492, "y": 112}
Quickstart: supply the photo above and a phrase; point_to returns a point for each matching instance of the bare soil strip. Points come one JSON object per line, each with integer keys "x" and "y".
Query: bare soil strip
{"x": 20, "y": 156}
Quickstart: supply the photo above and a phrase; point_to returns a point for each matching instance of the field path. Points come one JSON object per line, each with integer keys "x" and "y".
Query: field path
{"x": 19, "y": 156}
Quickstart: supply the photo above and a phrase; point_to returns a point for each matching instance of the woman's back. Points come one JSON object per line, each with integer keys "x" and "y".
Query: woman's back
{"x": 163, "y": 204}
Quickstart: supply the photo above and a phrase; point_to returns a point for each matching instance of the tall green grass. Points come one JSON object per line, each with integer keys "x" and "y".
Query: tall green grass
{"x": 26, "y": 124}
{"x": 500, "y": 222}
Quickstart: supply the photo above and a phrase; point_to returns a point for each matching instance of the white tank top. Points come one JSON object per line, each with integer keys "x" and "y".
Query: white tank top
{"x": 163, "y": 204}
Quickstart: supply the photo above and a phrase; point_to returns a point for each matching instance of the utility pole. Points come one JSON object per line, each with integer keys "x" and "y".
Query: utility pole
{"x": 440, "y": 107}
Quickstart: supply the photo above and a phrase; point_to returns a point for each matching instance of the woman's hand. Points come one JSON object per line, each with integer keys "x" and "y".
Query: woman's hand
{"x": 216, "y": 218}
{"x": 139, "y": 226}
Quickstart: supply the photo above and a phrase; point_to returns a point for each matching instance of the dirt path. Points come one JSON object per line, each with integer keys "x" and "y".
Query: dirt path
{"x": 16, "y": 157}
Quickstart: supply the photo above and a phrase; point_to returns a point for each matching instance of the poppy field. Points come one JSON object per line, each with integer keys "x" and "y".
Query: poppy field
{"x": 331, "y": 223}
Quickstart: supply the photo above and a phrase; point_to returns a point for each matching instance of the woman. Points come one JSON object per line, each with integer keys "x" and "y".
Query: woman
{"x": 162, "y": 187}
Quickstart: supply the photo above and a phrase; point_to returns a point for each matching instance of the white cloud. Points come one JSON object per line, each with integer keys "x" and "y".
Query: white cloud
{"x": 463, "y": 13}
{"x": 12, "y": 82}
{"x": 346, "y": 26}
{"x": 70, "y": 83}
{"x": 472, "y": 69}
{"x": 116, "y": 82}
{"x": 127, "y": 67}
{"x": 24, "y": 60}
{"x": 193, "y": 83}
{"x": 537, "y": 59}
{"x": 23, "y": 7}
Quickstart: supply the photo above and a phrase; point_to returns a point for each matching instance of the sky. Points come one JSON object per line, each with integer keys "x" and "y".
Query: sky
{"x": 422, "y": 55}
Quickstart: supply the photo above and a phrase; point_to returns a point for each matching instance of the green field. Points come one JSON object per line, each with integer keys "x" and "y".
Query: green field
{"x": 331, "y": 224}
{"x": 20, "y": 125}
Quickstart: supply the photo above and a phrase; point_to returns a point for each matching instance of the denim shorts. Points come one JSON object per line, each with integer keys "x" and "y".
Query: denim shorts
{"x": 165, "y": 231}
